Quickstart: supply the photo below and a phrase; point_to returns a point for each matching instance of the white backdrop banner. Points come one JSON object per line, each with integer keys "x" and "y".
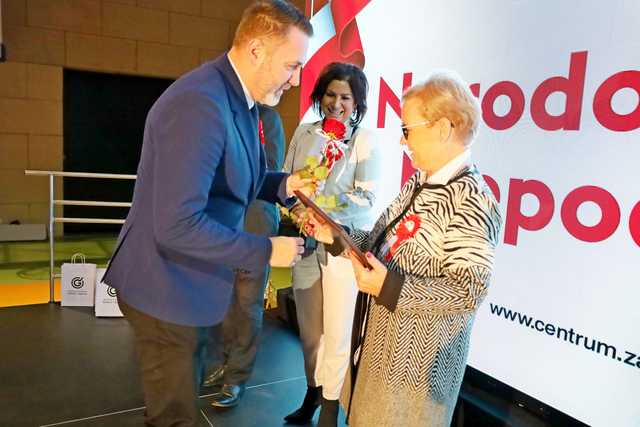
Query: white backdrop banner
{"x": 559, "y": 86}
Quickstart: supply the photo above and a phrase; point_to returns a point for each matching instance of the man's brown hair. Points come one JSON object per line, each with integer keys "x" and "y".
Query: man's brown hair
{"x": 270, "y": 18}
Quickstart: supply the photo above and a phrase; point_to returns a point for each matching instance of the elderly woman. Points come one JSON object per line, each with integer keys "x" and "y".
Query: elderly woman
{"x": 324, "y": 286}
{"x": 431, "y": 254}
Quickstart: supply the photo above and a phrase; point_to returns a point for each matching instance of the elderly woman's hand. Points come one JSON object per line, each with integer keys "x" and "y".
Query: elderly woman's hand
{"x": 369, "y": 281}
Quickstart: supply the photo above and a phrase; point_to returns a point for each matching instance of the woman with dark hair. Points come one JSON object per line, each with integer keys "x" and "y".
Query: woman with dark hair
{"x": 324, "y": 286}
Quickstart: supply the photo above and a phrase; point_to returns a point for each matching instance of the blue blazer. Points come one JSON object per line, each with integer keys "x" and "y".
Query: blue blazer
{"x": 201, "y": 166}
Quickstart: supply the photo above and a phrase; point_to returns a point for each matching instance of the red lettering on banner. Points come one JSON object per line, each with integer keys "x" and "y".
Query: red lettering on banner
{"x": 573, "y": 88}
{"x": 493, "y": 186}
{"x": 516, "y": 219}
{"x": 602, "y": 102}
{"x": 634, "y": 223}
{"x": 388, "y": 97}
{"x": 605, "y": 228}
{"x": 608, "y": 206}
{"x": 516, "y": 96}
{"x": 475, "y": 89}
{"x": 407, "y": 169}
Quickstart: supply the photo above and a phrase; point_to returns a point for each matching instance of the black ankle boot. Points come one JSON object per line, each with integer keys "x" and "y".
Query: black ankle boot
{"x": 328, "y": 413}
{"x": 303, "y": 414}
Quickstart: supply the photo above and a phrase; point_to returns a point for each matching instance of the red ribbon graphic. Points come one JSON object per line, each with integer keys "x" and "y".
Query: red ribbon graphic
{"x": 344, "y": 46}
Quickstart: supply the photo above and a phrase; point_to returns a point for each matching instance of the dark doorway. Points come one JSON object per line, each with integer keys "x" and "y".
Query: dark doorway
{"x": 104, "y": 116}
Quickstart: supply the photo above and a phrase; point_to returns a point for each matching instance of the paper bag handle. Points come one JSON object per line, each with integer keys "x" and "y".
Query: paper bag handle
{"x": 79, "y": 255}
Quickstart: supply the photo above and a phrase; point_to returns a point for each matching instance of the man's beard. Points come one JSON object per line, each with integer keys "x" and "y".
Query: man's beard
{"x": 272, "y": 98}
{"x": 269, "y": 96}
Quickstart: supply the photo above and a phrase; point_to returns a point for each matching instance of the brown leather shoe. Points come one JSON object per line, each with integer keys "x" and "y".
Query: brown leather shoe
{"x": 215, "y": 378}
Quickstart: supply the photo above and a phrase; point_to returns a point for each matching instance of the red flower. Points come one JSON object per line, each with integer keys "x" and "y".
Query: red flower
{"x": 408, "y": 227}
{"x": 335, "y": 129}
{"x": 406, "y": 230}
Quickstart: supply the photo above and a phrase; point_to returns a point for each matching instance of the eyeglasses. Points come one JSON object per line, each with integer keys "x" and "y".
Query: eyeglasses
{"x": 405, "y": 128}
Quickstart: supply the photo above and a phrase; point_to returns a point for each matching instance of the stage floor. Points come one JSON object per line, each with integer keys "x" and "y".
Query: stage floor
{"x": 61, "y": 366}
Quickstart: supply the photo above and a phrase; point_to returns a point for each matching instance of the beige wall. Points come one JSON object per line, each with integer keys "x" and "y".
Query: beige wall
{"x": 162, "y": 38}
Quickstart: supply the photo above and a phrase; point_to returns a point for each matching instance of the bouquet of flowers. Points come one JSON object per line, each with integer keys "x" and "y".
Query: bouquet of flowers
{"x": 319, "y": 167}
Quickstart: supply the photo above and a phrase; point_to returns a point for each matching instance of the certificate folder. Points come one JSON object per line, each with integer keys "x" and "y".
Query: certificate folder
{"x": 337, "y": 228}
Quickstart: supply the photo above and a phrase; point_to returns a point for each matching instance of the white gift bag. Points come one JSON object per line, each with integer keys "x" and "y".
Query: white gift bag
{"x": 106, "y": 301}
{"x": 78, "y": 282}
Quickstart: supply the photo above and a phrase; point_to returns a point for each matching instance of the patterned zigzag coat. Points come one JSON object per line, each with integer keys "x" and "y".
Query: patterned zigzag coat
{"x": 416, "y": 333}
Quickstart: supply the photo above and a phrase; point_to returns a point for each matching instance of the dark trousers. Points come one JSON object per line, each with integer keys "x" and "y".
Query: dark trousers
{"x": 234, "y": 343}
{"x": 171, "y": 363}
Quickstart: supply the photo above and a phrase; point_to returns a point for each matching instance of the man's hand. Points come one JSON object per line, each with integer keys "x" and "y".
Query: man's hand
{"x": 369, "y": 281}
{"x": 299, "y": 211}
{"x": 285, "y": 251}
{"x": 317, "y": 228}
{"x": 306, "y": 186}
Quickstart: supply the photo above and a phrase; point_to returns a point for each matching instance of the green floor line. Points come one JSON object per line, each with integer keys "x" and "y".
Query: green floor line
{"x": 28, "y": 262}
{"x": 28, "y": 252}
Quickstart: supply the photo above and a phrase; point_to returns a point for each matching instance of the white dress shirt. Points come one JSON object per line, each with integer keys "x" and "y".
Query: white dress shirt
{"x": 448, "y": 171}
{"x": 250, "y": 101}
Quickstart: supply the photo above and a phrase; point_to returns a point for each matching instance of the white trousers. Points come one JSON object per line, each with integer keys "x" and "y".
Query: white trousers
{"x": 325, "y": 297}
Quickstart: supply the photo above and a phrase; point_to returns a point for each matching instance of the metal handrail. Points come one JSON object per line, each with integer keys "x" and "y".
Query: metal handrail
{"x": 81, "y": 174}
{"x": 58, "y": 202}
{"x": 88, "y": 221}
{"x": 90, "y": 203}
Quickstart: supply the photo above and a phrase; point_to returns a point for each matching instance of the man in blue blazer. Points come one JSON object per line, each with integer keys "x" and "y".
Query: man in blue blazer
{"x": 234, "y": 342}
{"x": 201, "y": 166}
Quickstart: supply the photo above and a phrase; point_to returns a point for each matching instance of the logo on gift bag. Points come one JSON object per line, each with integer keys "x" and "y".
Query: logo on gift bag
{"x": 111, "y": 292}
{"x": 77, "y": 282}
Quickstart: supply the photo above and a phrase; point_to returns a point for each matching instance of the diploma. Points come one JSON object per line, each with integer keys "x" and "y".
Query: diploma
{"x": 338, "y": 231}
